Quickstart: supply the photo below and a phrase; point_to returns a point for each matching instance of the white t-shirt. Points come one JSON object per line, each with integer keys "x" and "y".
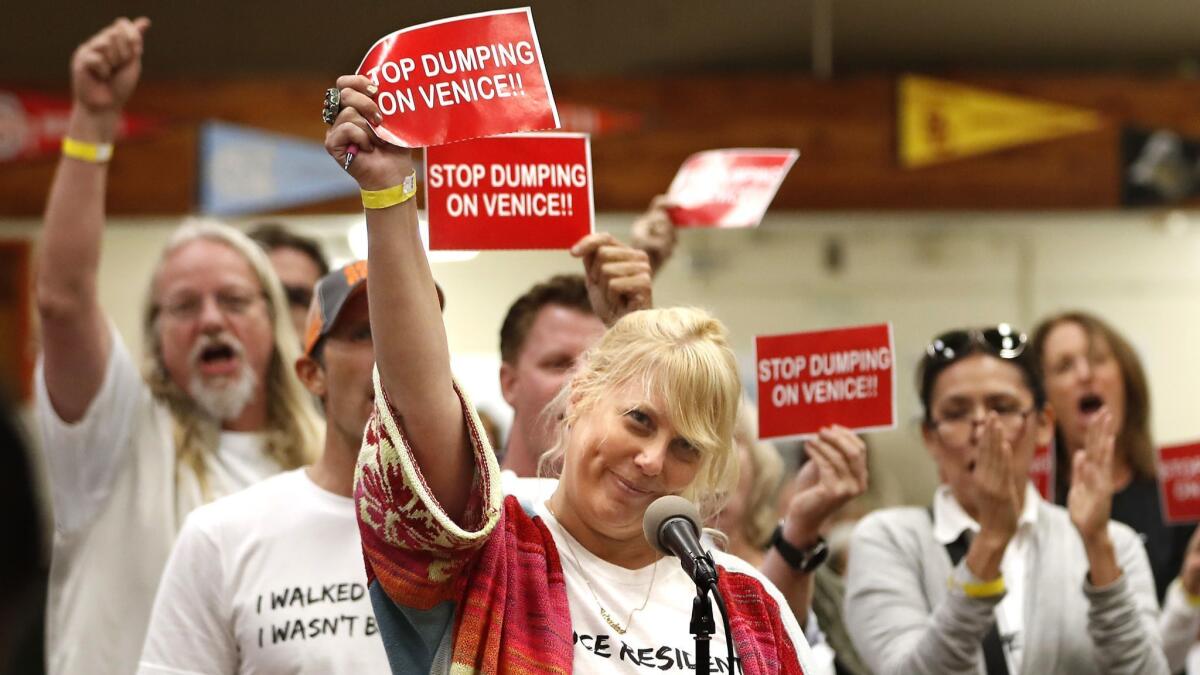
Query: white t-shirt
{"x": 657, "y": 638}
{"x": 118, "y": 505}
{"x": 269, "y": 580}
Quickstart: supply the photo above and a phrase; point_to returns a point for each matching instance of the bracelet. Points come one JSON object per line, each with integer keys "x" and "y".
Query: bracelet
{"x": 984, "y": 589}
{"x": 95, "y": 153}
{"x": 387, "y": 197}
{"x": 1193, "y": 601}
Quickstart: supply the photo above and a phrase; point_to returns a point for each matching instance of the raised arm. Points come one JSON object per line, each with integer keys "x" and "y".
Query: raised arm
{"x": 654, "y": 233}
{"x": 104, "y": 73}
{"x": 835, "y": 473}
{"x": 1122, "y": 614}
{"x": 411, "y": 353}
{"x": 619, "y": 278}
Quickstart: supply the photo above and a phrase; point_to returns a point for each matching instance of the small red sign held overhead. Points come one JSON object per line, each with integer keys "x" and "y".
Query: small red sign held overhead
{"x": 455, "y": 79}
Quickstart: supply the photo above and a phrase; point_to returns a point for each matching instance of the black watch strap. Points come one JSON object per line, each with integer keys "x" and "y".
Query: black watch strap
{"x": 801, "y": 560}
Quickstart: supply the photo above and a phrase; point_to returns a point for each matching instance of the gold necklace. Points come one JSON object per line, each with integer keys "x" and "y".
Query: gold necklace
{"x": 603, "y": 612}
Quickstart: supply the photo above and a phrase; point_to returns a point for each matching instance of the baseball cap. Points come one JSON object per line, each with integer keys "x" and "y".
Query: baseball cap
{"x": 331, "y": 294}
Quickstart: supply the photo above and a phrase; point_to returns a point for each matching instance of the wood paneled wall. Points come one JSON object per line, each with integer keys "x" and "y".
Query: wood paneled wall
{"x": 845, "y": 130}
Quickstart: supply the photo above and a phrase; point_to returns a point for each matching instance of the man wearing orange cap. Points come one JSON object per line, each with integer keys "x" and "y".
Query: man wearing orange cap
{"x": 271, "y": 579}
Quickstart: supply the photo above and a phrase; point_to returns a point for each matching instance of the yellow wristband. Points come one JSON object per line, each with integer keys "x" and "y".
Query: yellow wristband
{"x": 96, "y": 153}
{"x": 397, "y": 194}
{"x": 984, "y": 589}
{"x": 1192, "y": 600}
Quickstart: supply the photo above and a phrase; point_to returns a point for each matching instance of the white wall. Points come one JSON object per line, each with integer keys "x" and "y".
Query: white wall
{"x": 924, "y": 273}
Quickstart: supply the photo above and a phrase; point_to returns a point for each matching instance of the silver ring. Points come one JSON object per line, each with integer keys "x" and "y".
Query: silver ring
{"x": 333, "y": 105}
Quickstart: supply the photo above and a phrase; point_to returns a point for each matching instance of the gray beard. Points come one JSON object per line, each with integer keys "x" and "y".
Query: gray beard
{"x": 225, "y": 401}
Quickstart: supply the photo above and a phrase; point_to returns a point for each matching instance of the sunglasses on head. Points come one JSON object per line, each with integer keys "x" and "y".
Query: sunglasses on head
{"x": 1003, "y": 341}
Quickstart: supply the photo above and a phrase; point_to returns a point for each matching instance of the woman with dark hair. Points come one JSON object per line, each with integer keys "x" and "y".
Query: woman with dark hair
{"x": 990, "y": 578}
{"x": 1087, "y": 366}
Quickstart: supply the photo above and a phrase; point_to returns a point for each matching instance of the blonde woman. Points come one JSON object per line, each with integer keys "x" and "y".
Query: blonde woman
{"x": 467, "y": 580}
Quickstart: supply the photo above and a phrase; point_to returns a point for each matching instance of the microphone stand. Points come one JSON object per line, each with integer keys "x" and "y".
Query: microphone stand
{"x": 702, "y": 627}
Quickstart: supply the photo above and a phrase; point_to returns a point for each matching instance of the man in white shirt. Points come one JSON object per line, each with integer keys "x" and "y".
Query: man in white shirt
{"x": 271, "y": 580}
{"x": 213, "y": 407}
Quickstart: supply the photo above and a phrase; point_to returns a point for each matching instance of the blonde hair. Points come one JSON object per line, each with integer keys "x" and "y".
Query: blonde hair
{"x": 761, "y": 514}
{"x": 683, "y": 355}
{"x": 293, "y": 426}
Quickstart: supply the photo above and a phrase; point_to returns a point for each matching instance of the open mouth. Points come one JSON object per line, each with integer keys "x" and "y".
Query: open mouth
{"x": 218, "y": 359}
{"x": 1090, "y": 404}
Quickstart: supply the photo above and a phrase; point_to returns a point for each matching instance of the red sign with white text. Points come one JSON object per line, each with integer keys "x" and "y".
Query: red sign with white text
{"x": 455, "y": 79}
{"x": 34, "y": 124}
{"x": 524, "y": 191}
{"x": 1041, "y": 470}
{"x": 810, "y": 380}
{"x": 1179, "y": 482}
{"x": 728, "y": 188}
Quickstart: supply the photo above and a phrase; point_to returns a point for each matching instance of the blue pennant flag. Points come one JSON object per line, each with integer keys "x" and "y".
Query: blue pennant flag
{"x": 245, "y": 170}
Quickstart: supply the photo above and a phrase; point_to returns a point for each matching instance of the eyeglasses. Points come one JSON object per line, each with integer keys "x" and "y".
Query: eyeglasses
{"x": 1003, "y": 341}
{"x": 229, "y": 303}
{"x": 957, "y": 428}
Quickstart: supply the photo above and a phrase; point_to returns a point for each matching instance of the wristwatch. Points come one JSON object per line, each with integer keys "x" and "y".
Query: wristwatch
{"x": 801, "y": 560}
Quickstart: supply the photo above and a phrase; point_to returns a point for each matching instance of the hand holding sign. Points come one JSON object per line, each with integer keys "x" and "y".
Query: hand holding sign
{"x": 835, "y": 473}
{"x": 377, "y": 165}
{"x": 618, "y": 276}
{"x": 455, "y": 79}
{"x": 106, "y": 68}
{"x": 654, "y": 233}
{"x": 1089, "y": 500}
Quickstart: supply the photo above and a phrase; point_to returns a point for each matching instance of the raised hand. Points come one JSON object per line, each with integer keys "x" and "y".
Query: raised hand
{"x": 106, "y": 68}
{"x": 835, "y": 473}
{"x": 618, "y": 276}
{"x": 998, "y": 498}
{"x": 654, "y": 233}
{"x": 1089, "y": 500}
{"x": 377, "y": 164}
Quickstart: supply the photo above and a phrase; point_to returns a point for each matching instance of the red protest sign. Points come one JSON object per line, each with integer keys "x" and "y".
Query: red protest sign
{"x": 466, "y": 77}
{"x": 728, "y": 188}
{"x": 810, "y": 380}
{"x": 1179, "y": 482}
{"x": 526, "y": 191}
{"x": 1041, "y": 470}
{"x": 33, "y": 124}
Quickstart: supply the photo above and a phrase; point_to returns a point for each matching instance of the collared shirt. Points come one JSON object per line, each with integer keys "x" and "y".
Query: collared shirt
{"x": 950, "y": 520}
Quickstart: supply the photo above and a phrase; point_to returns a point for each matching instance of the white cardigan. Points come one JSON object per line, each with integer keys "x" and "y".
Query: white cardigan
{"x": 904, "y": 617}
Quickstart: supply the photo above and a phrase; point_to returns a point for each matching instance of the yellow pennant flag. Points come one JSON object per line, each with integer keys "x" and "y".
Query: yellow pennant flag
{"x": 941, "y": 121}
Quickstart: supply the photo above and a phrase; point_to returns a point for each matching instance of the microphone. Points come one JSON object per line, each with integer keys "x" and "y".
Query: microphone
{"x": 672, "y": 526}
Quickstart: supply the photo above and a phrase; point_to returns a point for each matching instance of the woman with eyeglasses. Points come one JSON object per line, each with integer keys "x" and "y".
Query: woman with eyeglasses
{"x": 990, "y": 578}
{"x": 1088, "y": 366}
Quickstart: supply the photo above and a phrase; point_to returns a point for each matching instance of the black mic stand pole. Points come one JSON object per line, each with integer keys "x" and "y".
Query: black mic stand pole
{"x": 702, "y": 627}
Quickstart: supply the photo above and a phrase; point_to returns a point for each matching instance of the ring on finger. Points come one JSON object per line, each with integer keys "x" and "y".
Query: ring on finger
{"x": 333, "y": 105}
